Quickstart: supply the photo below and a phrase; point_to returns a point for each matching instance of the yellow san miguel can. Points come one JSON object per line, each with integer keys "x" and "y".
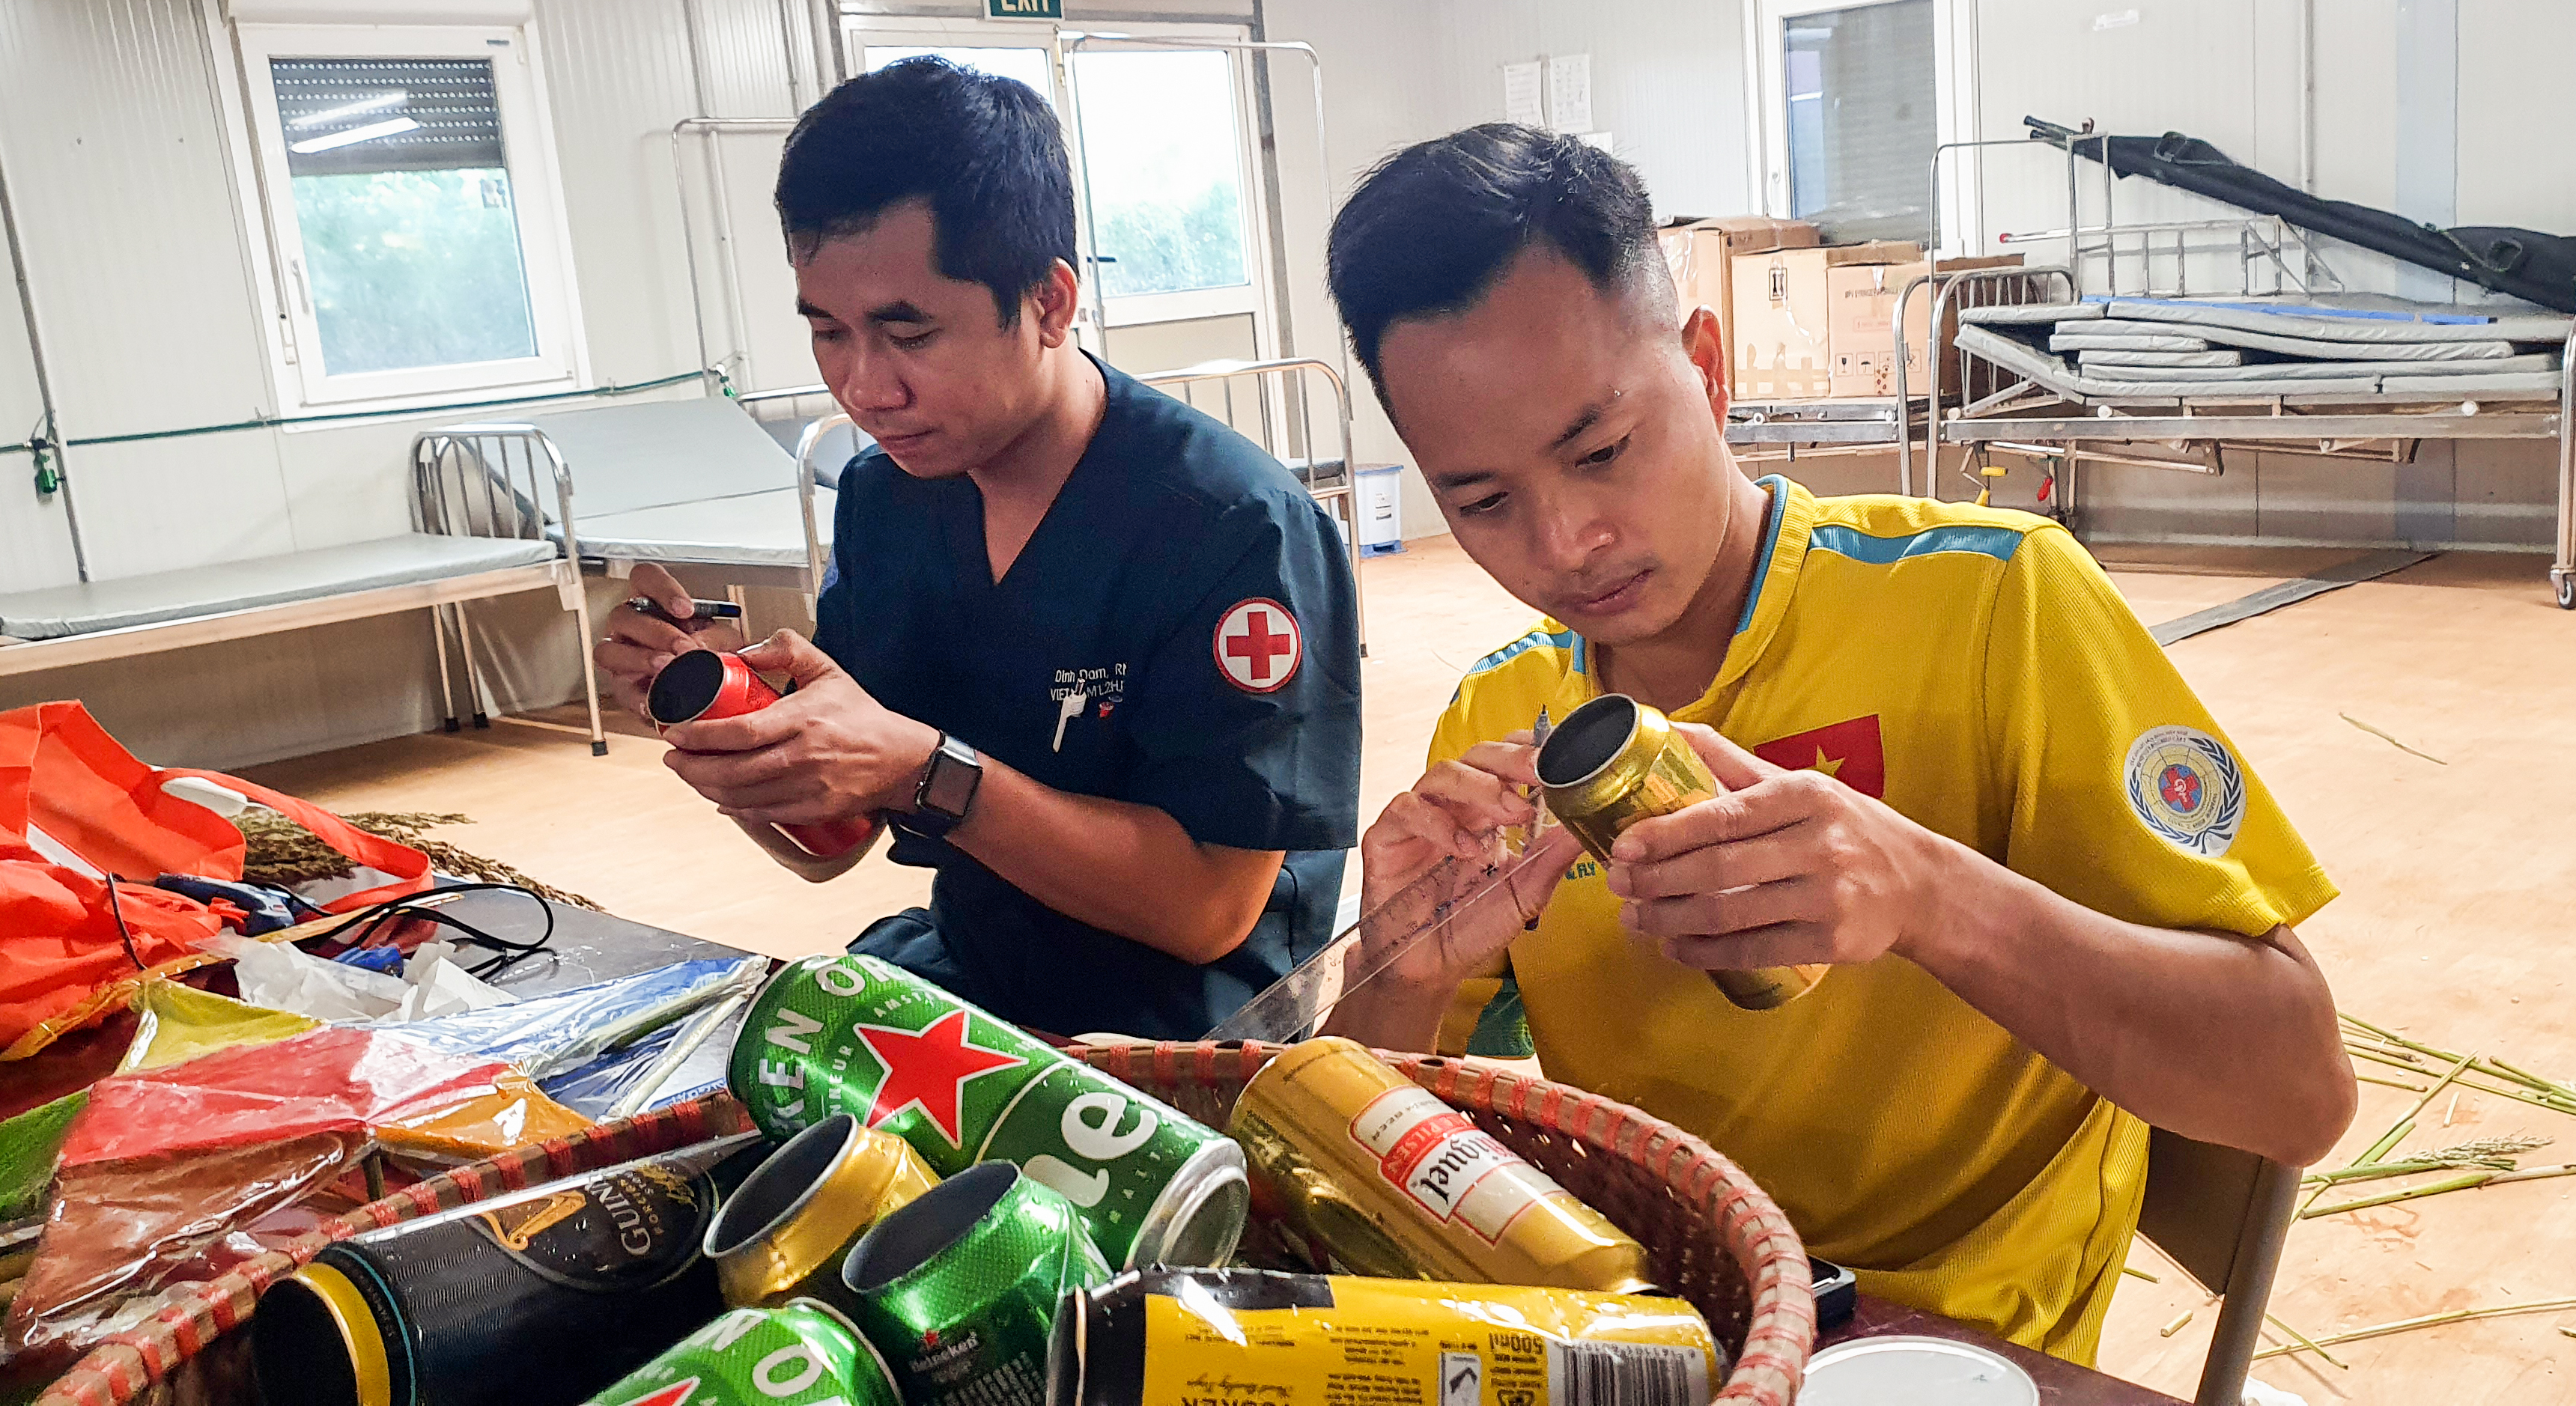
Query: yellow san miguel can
{"x": 1370, "y": 1173}
{"x": 1615, "y": 761}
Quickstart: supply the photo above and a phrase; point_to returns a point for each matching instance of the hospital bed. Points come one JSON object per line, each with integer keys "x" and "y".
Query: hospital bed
{"x": 58, "y": 626}
{"x": 682, "y": 483}
{"x": 2169, "y": 342}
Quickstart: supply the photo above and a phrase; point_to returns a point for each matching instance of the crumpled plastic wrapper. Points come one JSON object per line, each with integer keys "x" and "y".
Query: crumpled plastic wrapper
{"x": 546, "y": 1036}
{"x": 433, "y": 984}
{"x": 172, "y": 1175}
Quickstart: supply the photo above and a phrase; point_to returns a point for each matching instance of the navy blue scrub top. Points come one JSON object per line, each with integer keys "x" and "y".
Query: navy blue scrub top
{"x": 1180, "y": 632}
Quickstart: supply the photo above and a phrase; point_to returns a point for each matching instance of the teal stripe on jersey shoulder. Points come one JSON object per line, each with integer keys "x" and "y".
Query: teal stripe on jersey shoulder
{"x": 1997, "y": 542}
{"x": 1778, "y": 488}
{"x": 1561, "y": 639}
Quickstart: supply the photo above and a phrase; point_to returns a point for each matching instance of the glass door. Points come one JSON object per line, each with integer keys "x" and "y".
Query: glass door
{"x": 1167, "y": 188}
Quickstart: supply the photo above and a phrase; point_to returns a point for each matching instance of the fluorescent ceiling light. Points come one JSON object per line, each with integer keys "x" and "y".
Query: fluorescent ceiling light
{"x": 316, "y": 119}
{"x": 354, "y": 135}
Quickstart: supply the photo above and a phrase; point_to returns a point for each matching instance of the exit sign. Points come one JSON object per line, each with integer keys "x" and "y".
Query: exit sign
{"x": 1024, "y": 9}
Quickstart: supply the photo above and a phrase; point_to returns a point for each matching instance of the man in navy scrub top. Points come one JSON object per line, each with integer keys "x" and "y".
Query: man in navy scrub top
{"x": 1093, "y": 654}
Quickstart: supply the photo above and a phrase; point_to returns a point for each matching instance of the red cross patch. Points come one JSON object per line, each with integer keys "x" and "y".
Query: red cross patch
{"x": 1258, "y": 646}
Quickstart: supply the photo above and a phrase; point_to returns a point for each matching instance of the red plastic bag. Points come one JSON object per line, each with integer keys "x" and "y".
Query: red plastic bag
{"x": 75, "y": 806}
{"x": 174, "y": 1174}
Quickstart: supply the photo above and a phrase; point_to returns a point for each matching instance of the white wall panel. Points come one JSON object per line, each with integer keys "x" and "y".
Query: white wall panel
{"x": 2515, "y": 166}
{"x": 348, "y": 483}
{"x": 617, "y": 77}
{"x": 125, "y": 203}
{"x": 163, "y": 506}
{"x": 1667, "y": 84}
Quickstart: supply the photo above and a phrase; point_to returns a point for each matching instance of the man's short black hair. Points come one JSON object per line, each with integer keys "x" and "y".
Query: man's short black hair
{"x": 1434, "y": 226}
{"x": 984, "y": 151}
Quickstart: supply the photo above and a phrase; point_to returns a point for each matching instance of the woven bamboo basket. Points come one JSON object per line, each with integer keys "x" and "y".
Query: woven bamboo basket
{"x": 1712, "y": 1236}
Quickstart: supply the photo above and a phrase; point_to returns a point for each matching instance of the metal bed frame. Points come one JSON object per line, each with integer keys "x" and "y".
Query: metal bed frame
{"x": 1981, "y": 408}
{"x": 1995, "y": 410}
{"x": 503, "y": 458}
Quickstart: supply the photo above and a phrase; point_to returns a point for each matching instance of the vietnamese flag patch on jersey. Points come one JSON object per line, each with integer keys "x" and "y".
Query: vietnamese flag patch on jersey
{"x": 1848, "y": 752}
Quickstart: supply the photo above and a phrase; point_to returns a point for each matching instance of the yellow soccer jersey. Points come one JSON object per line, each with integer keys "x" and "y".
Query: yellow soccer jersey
{"x": 1976, "y": 670}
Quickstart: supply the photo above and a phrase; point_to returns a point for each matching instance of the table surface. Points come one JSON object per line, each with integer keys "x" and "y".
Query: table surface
{"x": 2060, "y": 1383}
{"x": 590, "y": 947}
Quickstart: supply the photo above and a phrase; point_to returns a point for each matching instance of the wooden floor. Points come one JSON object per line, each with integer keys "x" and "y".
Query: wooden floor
{"x": 2455, "y": 925}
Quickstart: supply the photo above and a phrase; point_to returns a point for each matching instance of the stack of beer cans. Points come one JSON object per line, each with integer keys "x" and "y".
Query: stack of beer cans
{"x": 947, "y": 1211}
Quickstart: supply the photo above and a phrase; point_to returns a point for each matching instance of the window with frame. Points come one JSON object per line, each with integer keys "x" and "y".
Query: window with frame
{"x": 1854, "y": 117}
{"x": 413, "y": 213}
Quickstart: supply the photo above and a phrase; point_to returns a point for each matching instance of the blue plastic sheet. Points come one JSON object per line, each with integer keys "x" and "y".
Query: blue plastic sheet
{"x": 560, "y": 1033}
{"x": 598, "y": 1089}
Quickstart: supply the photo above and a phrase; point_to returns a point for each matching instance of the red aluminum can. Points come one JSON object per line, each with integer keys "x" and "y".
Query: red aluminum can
{"x": 703, "y": 685}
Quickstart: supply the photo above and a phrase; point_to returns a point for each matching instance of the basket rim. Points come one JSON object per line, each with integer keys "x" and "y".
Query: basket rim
{"x": 1757, "y": 1234}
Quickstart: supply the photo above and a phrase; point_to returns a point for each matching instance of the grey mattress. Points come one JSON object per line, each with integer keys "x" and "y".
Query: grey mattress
{"x": 57, "y": 612}
{"x": 2552, "y": 330}
{"x": 2090, "y": 357}
{"x": 2088, "y": 339}
{"x": 2203, "y": 318}
{"x": 2315, "y": 347}
{"x": 2443, "y": 371}
{"x": 650, "y": 454}
{"x": 2347, "y": 378}
{"x": 751, "y": 529}
{"x": 2024, "y": 314}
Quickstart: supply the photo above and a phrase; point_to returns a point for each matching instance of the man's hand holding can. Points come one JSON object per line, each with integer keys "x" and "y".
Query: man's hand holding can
{"x": 639, "y": 642}
{"x": 825, "y": 753}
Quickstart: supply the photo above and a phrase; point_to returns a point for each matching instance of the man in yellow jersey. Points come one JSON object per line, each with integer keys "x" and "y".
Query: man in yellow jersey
{"x": 2058, "y": 904}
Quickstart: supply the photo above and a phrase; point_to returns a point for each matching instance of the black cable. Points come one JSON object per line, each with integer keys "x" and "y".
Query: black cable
{"x": 116, "y": 910}
{"x": 429, "y": 906}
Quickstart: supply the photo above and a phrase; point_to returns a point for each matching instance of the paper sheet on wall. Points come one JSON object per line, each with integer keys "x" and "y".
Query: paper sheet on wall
{"x": 1521, "y": 94}
{"x": 1569, "y": 92}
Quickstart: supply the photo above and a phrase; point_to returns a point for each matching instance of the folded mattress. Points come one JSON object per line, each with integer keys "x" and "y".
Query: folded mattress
{"x": 2518, "y": 376}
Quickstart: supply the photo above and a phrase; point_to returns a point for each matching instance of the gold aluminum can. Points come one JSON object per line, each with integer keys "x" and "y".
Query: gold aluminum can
{"x": 785, "y": 1232}
{"x": 1615, "y": 761}
{"x": 1369, "y": 1173}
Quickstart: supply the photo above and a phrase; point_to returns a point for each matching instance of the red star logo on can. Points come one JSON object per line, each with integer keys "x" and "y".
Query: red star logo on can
{"x": 929, "y": 1069}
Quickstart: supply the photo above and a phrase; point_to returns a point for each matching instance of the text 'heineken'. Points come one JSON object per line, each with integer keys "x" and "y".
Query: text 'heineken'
{"x": 797, "y": 1354}
{"x": 959, "y": 1288}
{"x": 860, "y": 1036}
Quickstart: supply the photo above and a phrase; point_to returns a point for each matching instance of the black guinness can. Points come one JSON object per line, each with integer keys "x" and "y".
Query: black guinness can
{"x": 546, "y": 1294}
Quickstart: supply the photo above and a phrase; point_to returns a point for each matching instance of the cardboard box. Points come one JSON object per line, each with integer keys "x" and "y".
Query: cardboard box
{"x": 1815, "y": 323}
{"x": 1781, "y": 330}
{"x": 1702, "y": 253}
{"x": 1863, "y": 301}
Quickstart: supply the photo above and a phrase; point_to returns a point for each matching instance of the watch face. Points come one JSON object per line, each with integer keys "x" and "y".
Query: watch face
{"x": 950, "y": 787}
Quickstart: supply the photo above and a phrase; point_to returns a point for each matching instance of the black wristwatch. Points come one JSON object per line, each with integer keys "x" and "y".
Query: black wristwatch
{"x": 948, "y": 786}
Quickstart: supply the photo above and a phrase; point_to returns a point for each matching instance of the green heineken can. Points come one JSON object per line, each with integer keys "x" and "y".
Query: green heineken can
{"x": 797, "y": 1354}
{"x": 959, "y": 1288}
{"x": 861, "y": 1036}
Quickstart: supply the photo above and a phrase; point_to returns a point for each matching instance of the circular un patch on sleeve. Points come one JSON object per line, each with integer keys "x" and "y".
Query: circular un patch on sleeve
{"x": 2186, "y": 787}
{"x": 1258, "y": 646}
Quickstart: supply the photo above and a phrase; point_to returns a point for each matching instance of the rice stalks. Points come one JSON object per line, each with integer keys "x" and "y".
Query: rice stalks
{"x": 2430, "y": 1320}
{"x": 285, "y": 854}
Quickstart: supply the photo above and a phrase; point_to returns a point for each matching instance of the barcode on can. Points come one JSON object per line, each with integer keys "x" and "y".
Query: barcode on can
{"x": 1625, "y": 1374}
